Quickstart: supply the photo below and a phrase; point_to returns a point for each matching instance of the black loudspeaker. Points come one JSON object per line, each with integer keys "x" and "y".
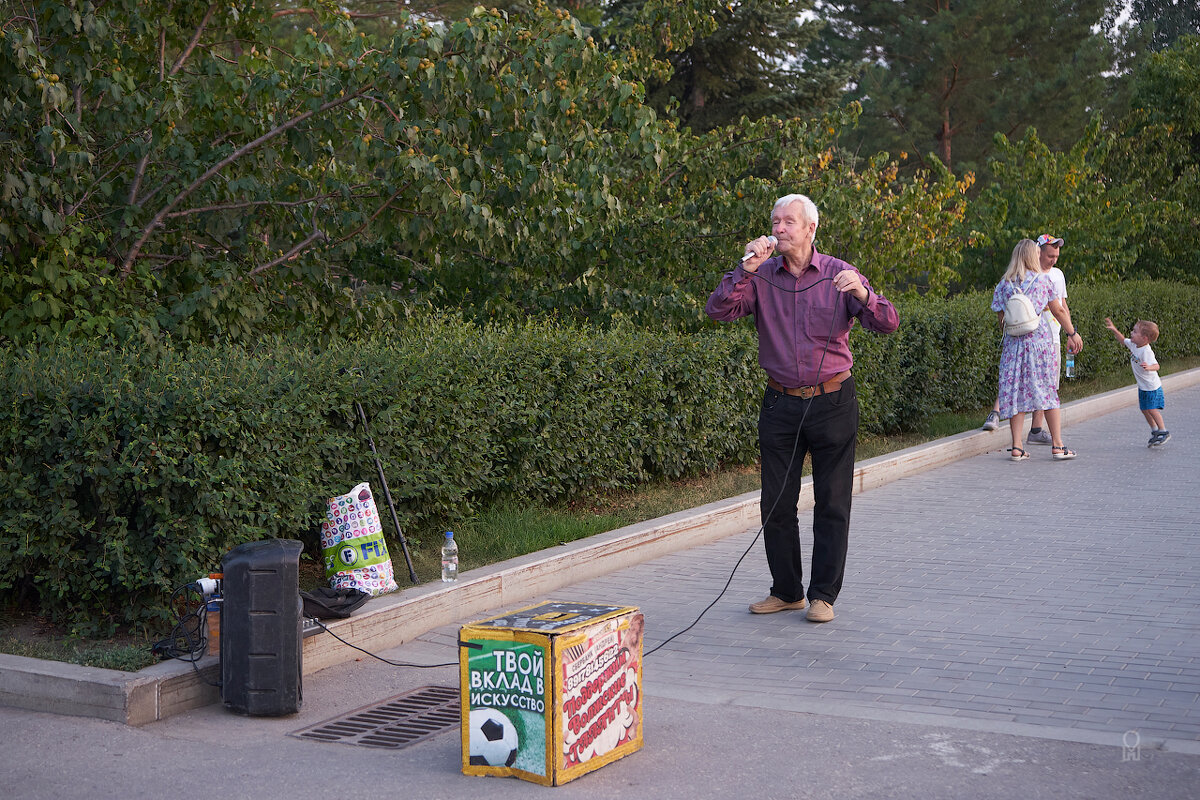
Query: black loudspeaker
{"x": 261, "y": 628}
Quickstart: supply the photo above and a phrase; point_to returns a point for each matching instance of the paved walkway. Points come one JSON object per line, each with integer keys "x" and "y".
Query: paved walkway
{"x": 1005, "y": 629}
{"x": 1057, "y": 599}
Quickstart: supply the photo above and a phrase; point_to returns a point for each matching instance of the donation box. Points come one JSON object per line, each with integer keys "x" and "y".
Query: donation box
{"x": 552, "y": 691}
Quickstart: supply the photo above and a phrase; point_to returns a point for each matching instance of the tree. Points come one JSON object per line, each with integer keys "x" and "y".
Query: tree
{"x": 1168, "y": 20}
{"x": 1035, "y": 189}
{"x": 723, "y": 61}
{"x": 187, "y": 168}
{"x": 1158, "y": 151}
{"x": 197, "y": 172}
{"x": 751, "y": 64}
{"x": 944, "y": 77}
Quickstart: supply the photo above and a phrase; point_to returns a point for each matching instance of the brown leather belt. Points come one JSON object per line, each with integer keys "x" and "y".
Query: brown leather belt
{"x": 808, "y": 392}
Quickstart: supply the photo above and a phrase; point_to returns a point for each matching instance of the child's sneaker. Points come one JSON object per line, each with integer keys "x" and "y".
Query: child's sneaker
{"x": 1159, "y": 438}
{"x": 1041, "y": 437}
{"x": 992, "y": 422}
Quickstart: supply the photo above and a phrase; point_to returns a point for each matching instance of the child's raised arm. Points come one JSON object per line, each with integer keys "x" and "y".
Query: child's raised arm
{"x": 1108, "y": 323}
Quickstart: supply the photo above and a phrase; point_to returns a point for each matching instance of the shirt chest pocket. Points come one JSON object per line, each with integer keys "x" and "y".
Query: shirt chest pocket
{"x": 825, "y": 317}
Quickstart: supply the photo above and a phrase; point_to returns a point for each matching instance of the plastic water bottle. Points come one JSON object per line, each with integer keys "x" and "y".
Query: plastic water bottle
{"x": 1070, "y": 364}
{"x": 450, "y": 559}
{"x": 212, "y": 615}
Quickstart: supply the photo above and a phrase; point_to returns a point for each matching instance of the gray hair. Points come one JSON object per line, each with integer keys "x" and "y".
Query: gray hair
{"x": 810, "y": 208}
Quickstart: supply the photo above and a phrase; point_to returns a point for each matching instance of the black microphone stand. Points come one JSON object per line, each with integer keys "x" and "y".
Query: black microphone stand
{"x": 362, "y": 416}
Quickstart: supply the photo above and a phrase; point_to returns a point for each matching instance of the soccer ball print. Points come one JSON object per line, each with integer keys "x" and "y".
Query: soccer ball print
{"x": 493, "y": 738}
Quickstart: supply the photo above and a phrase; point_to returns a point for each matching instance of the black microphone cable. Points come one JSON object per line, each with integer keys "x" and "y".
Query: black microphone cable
{"x": 325, "y": 628}
{"x": 188, "y": 640}
{"x": 786, "y": 472}
{"x": 728, "y": 582}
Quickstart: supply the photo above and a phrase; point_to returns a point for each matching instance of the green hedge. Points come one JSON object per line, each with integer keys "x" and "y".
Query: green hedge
{"x": 127, "y": 473}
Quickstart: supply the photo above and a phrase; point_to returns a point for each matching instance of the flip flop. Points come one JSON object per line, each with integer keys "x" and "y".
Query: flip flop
{"x": 1019, "y": 454}
{"x": 1062, "y": 453}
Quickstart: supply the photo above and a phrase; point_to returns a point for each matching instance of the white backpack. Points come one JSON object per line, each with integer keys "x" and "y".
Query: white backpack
{"x": 1020, "y": 317}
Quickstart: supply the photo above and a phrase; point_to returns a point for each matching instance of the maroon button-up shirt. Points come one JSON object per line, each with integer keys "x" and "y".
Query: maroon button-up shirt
{"x": 794, "y": 329}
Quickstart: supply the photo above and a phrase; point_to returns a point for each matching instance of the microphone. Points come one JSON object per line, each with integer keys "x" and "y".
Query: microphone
{"x": 770, "y": 239}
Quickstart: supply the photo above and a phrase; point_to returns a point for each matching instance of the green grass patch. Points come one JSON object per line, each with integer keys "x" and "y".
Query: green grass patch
{"x": 36, "y": 639}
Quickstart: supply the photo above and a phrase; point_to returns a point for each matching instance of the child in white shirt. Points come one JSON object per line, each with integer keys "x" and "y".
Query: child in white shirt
{"x": 1145, "y": 371}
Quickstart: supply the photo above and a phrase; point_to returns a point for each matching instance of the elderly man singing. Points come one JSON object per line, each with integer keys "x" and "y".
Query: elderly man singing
{"x": 804, "y": 304}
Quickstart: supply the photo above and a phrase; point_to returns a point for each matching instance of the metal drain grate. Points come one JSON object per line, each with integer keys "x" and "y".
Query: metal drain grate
{"x": 397, "y": 722}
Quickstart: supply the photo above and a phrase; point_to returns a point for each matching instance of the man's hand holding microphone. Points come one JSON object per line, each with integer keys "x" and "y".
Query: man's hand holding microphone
{"x": 757, "y": 252}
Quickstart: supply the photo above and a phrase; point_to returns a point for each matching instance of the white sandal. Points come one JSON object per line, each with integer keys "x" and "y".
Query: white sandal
{"x": 1061, "y": 453}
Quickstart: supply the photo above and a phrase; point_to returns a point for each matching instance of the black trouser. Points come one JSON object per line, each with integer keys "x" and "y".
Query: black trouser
{"x": 829, "y": 432}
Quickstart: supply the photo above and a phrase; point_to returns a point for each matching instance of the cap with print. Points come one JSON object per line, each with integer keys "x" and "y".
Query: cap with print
{"x": 1046, "y": 238}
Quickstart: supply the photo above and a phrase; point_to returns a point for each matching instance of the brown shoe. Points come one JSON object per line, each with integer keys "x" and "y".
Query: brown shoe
{"x": 820, "y": 611}
{"x": 773, "y": 604}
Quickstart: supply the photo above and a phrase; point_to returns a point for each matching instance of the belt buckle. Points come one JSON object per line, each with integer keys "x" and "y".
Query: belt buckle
{"x": 807, "y": 392}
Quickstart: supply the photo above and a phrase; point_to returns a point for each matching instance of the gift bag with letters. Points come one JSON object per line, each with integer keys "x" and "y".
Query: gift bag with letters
{"x": 356, "y": 555}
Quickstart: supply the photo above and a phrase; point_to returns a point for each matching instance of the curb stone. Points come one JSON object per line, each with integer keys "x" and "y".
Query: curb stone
{"x": 172, "y": 687}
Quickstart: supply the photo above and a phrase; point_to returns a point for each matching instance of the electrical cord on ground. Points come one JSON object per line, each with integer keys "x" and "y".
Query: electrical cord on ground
{"x": 325, "y": 628}
{"x": 196, "y": 649}
{"x": 188, "y": 640}
{"x": 695, "y": 622}
{"x": 786, "y": 473}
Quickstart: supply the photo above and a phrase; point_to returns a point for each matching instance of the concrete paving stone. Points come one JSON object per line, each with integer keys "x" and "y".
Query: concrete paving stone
{"x": 983, "y": 711}
{"x": 1150, "y": 699}
{"x": 841, "y": 695}
{"x": 912, "y": 664}
{"x": 1188, "y": 686}
{"x": 948, "y": 695}
{"x": 1087, "y": 696}
{"x": 978, "y": 689}
{"x": 1139, "y": 712}
{"x": 1178, "y": 661}
{"x": 1054, "y": 694}
{"x": 1147, "y": 683}
{"x": 1055, "y": 707}
{"x": 872, "y": 679}
{"x": 883, "y": 692}
{"x": 1114, "y": 704}
{"x": 1017, "y": 674}
{"x": 922, "y": 685}
{"x": 1103, "y": 669}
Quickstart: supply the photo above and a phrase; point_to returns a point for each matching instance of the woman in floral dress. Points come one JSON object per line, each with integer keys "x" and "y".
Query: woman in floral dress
{"x": 1028, "y": 363}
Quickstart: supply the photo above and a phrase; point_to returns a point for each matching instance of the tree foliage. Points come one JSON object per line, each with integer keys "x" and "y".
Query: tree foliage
{"x": 1158, "y": 150}
{"x": 944, "y": 77}
{"x": 1167, "y": 20}
{"x": 707, "y": 63}
{"x": 1036, "y": 190}
{"x": 197, "y": 171}
{"x": 751, "y": 64}
{"x": 190, "y": 150}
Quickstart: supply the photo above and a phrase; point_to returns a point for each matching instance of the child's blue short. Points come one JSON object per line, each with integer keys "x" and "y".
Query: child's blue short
{"x": 1149, "y": 401}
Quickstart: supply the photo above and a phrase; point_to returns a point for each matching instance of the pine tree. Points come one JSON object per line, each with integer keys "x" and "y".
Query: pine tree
{"x": 945, "y": 77}
{"x": 1170, "y": 19}
{"x": 751, "y": 65}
